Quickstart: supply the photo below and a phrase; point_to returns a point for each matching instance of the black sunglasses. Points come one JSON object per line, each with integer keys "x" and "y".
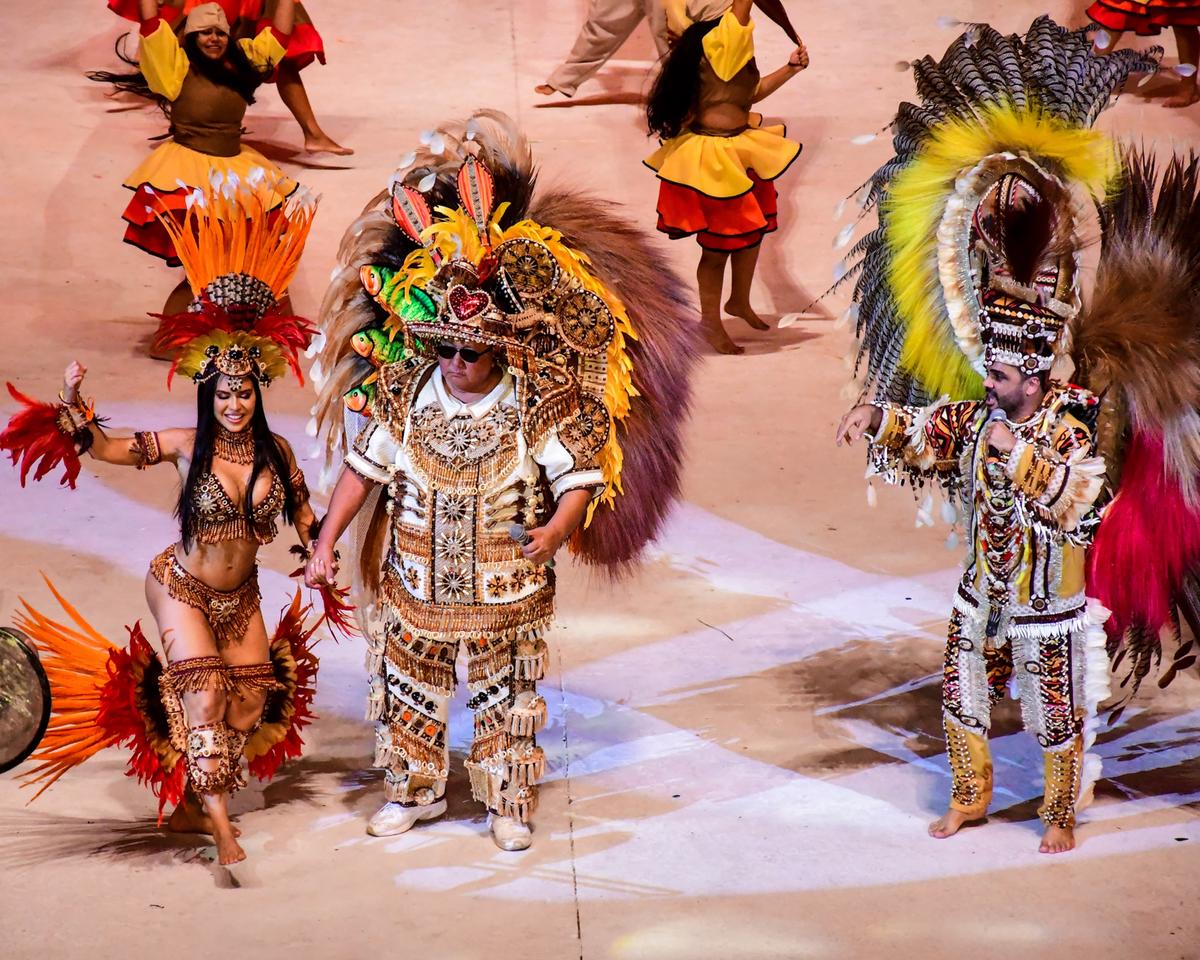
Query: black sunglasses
{"x": 448, "y": 352}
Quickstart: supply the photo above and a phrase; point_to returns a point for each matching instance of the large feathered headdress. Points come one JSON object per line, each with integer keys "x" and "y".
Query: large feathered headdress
{"x": 240, "y": 257}
{"x": 974, "y": 257}
{"x": 463, "y": 247}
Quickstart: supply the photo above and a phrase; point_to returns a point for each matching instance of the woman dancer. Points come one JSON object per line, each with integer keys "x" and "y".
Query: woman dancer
{"x": 237, "y": 479}
{"x": 717, "y": 163}
{"x": 249, "y": 18}
{"x": 209, "y": 81}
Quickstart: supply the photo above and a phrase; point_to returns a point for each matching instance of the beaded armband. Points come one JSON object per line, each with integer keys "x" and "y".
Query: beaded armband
{"x": 145, "y": 449}
{"x": 299, "y": 486}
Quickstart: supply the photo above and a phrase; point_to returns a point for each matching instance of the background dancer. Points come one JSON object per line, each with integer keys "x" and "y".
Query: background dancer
{"x": 717, "y": 162}
{"x": 1147, "y": 20}
{"x": 608, "y": 25}
{"x": 209, "y": 81}
{"x": 249, "y": 18}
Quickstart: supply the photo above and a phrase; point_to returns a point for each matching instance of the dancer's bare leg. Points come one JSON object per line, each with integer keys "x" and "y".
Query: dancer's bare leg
{"x": 1188, "y": 41}
{"x": 710, "y": 277}
{"x": 186, "y": 634}
{"x": 177, "y": 302}
{"x": 744, "y": 263}
{"x": 295, "y": 98}
{"x": 189, "y": 817}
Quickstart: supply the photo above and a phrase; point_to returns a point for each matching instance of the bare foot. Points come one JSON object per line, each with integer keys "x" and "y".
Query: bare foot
{"x": 1057, "y": 840}
{"x": 949, "y": 825}
{"x": 326, "y": 144}
{"x": 1188, "y": 94}
{"x": 544, "y": 89}
{"x": 228, "y": 849}
{"x": 746, "y": 312}
{"x": 720, "y": 341}
{"x": 189, "y": 817}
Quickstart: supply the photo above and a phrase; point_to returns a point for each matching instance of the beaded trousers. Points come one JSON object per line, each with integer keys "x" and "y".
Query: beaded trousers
{"x": 1047, "y": 664}
{"x": 412, "y": 680}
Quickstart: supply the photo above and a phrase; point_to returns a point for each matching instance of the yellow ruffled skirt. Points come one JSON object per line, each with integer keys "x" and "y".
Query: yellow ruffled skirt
{"x": 163, "y": 181}
{"x": 720, "y": 167}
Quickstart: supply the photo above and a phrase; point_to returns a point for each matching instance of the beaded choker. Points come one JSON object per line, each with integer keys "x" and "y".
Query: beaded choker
{"x": 234, "y": 447}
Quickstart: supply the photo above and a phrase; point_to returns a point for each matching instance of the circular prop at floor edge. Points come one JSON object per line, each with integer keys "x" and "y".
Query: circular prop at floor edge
{"x": 24, "y": 698}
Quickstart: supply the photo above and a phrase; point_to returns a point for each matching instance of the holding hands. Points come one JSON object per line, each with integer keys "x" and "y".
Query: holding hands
{"x": 799, "y": 59}
{"x": 322, "y": 567}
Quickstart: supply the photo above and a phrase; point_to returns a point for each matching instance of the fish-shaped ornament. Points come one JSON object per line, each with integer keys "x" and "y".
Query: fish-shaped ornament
{"x": 377, "y": 347}
{"x": 406, "y": 303}
{"x": 360, "y": 399}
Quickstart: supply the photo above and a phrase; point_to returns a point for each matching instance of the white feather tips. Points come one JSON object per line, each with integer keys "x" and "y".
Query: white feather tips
{"x": 864, "y": 138}
{"x": 843, "y": 236}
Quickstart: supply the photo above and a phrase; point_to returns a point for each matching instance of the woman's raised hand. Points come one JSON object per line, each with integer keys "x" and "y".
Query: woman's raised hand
{"x": 799, "y": 57}
{"x": 72, "y": 378}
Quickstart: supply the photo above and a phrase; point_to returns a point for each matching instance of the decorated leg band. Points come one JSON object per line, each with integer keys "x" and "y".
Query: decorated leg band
{"x": 208, "y": 762}
{"x": 970, "y": 769}
{"x": 228, "y": 611}
{"x": 245, "y": 678}
{"x": 1063, "y": 769}
{"x": 198, "y": 673}
{"x": 529, "y": 664}
{"x": 527, "y": 715}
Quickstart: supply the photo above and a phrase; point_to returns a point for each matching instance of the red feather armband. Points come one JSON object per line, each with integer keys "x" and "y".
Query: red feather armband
{"x": 46, "y": 434}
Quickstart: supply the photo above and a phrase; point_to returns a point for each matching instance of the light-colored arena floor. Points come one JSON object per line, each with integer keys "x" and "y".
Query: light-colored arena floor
{"x": 745, "y": 742}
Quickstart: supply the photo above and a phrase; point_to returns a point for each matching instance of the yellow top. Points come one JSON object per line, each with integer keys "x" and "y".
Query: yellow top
{"x": 729, "y": 46}
{"x": 165, "y": 64}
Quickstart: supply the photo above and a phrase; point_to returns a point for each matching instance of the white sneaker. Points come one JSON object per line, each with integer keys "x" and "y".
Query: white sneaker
{"x": 395, "y": 818}
{"x": 510, "y": 833}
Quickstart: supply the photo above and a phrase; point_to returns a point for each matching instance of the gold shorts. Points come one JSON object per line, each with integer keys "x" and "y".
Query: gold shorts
{"x": 228, "y": 612}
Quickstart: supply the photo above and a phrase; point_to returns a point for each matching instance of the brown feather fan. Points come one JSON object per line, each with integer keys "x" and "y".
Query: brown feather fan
{"x": 663, "y": 315}
{"x": 1138, "y": 339}
{"x": 1138, "y": 344}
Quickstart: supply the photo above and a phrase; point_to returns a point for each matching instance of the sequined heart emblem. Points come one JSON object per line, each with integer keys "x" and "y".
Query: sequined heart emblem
{"x": 466, "y": 304}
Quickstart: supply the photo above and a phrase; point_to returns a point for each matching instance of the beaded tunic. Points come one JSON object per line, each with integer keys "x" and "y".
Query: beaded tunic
{"x": 457, "y": 475}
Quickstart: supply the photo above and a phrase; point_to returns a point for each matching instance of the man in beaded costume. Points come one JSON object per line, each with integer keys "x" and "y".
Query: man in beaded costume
{"x": 523, "y": 359}
{"x": 963, "y": 297}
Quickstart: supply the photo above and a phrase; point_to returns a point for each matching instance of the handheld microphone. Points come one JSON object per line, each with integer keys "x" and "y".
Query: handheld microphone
{"x": 996, "y": 416}
{"x": 517, "y": 532}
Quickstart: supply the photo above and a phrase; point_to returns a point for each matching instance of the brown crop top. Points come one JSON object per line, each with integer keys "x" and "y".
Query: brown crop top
{"x": 216, "y": 518}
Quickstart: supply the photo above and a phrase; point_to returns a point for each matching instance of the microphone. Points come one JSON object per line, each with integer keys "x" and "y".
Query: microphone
{"x": 517, "y": 532}
{"x": 996, "y": 416}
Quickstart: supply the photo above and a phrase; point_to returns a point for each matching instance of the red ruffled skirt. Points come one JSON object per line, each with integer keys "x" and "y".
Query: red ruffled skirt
{"x": 248, "y": 18}
{"x": 719, "y": 223}
{"x": 1145, "y": 19}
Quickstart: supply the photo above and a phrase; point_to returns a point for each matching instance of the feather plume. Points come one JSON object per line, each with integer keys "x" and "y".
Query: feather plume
{"x": 103, "y": 696}
{"x": 289, "y": 707}
{"x": 33, "y": 437}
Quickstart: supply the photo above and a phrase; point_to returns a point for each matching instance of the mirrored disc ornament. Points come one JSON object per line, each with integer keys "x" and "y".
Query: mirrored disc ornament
{"x": 24, "y": 698}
